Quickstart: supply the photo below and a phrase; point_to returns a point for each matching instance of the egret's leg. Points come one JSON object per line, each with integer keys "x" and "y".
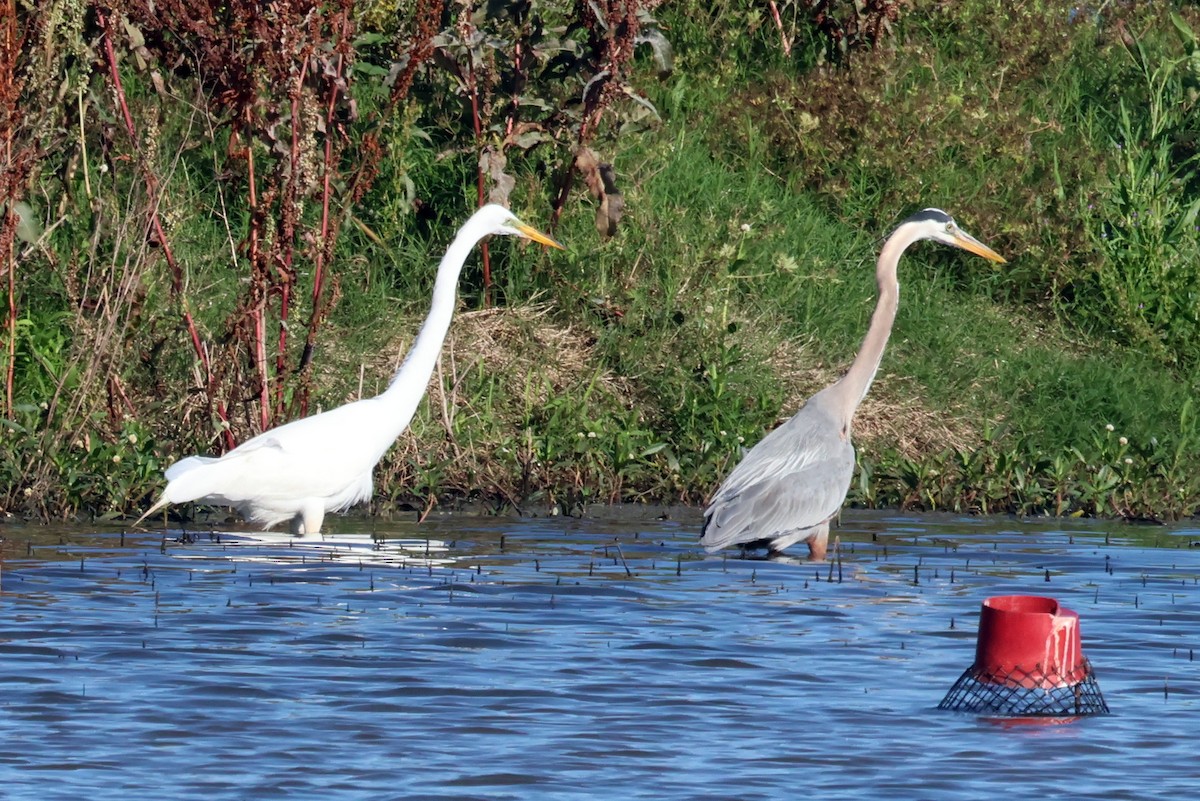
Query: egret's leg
{"x": 307, "y": 521}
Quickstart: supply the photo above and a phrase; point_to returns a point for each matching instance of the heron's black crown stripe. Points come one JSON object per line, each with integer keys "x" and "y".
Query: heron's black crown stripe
{"x": 931, "y": 215}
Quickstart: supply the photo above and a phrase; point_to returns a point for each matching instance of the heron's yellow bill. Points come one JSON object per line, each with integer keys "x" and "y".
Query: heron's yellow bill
{"x": 970, "y": 243}
{"x": 537, "y": 236}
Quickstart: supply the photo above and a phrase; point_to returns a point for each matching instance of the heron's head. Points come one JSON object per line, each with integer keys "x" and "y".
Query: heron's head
{"x": 939, "y": 226}
{"x": 495, "y": 219}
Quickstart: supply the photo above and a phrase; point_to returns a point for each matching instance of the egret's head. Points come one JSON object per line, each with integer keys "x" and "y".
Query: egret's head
{"x": 495, "y": 219}
{"x": 939, "y": 226}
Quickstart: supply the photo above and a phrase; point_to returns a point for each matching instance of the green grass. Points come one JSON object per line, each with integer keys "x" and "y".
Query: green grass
{"x": 741, "y": 280}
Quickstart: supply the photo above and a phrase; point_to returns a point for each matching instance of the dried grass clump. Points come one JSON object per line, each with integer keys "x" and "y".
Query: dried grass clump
{"x": 519, "y": 341}
{"x": 523, "y": 341}
{"x": 894, "y": 414}
{"x": 800, "y": 374}
{"x": 470, "y": 439}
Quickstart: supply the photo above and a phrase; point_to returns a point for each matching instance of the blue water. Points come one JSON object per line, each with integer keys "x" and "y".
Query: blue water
{"x": 606, "y": 657}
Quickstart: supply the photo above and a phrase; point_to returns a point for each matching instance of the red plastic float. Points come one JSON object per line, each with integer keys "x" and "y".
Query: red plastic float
{"x": 1028, "y": 662}
{"x": 1030, "y": 640}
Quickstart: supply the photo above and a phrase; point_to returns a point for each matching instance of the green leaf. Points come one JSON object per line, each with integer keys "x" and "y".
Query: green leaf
{"x": 1186, "y": 34}
{"x": 367, "y": 68}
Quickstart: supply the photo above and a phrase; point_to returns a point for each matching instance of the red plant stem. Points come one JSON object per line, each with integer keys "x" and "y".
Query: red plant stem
{"x": 285, "y": 302}
{"x": 515, "y": 108}
{"x": 156, "y": 222}
{"x": 326, "y": 192}
{"x": 326, "y": 188}
{"x": 787, "y": 46}
{"x": 10, "y": 371}
{"x": 564, "y": 191}
{"x": 477, "y": 124}
{"x": 288, "y": 236}
{"x": 11, "y": 50}
{"x": 260, "y": 360}
{"x": 256, "y": 314}
{"x": 117, "y": 393}
{"x": 318, "y": 288}
{"x": 591, "y": 113}
{"x": 253, "y": 197}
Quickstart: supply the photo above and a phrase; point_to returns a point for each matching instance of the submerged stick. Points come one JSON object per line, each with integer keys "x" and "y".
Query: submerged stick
{"x": 628, "y": 572}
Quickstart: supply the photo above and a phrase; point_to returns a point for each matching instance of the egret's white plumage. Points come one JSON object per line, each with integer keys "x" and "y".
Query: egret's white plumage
{"x": 324, "y": 463}
{"x": 790, "y": 485}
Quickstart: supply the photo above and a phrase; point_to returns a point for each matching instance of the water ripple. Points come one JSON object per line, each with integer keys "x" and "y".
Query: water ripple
{"x": 551, "y": 658}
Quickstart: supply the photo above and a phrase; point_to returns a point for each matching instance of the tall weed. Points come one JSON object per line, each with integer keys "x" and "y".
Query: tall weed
{"x": 1145, "y": 225}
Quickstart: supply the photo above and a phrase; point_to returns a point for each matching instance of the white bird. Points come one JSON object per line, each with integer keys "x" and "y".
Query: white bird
{"x": 794, "y": 481}
{"x": 323, "y": 463}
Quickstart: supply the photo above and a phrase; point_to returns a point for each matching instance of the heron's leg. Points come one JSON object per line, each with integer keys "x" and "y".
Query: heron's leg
{"x": 815, "y": 536}
{"x": 818, "y": 542}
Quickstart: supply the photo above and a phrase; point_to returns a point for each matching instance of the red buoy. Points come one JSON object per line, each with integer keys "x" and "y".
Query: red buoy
{"x": 1030, "y": 640}
{"x": 1028, "y": 662}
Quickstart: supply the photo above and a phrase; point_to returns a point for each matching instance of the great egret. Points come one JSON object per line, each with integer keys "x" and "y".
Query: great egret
{"x": 791, "y": 484}
{"x": 301, "y": 470}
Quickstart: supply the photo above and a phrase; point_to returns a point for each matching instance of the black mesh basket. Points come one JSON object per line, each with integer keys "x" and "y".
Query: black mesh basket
{"x": 1022, "y": 693}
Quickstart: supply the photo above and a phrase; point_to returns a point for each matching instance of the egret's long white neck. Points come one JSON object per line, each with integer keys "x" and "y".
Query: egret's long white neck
{"x": 853, "y": 386}
{"x": 408, "y": 385}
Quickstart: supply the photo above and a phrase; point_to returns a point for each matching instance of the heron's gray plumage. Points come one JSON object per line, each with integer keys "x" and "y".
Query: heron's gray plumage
{"x": 791, "y": 484}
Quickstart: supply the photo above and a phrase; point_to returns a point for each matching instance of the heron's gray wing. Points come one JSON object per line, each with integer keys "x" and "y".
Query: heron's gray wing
{"x": 795, "y": 478}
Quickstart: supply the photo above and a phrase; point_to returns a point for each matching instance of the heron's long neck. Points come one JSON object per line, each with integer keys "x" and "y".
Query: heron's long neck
{"x": 853, "y": 386}
{"x": 408, "y": 385}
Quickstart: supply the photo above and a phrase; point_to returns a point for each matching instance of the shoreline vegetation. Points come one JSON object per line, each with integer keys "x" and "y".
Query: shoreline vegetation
{"x": 216, "y": 218}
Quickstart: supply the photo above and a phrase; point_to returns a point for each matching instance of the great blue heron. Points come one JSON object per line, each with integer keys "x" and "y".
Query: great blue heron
{"x": 301, "y": 470}
{"x": 794, "y": 481}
